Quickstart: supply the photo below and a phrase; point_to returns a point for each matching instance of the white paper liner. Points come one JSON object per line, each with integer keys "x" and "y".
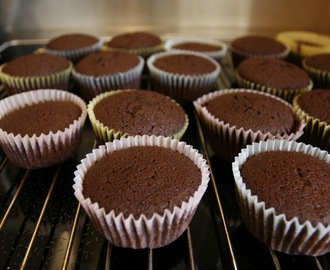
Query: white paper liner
{"x": 218, "y": 55}
{"x": 227, "y": 140}
{"x": 77, "y": 54}
{"x": 104, "y": 134}
{"x": 161, "y": 228}
{"x": 182, "y": 88}
{"x": 47, "y": 149}
{"x": 91, "y": 86}
{"x": 276, "y": 231}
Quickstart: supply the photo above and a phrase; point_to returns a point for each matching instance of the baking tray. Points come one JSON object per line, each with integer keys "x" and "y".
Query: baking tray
{"x": 42, "y": 226}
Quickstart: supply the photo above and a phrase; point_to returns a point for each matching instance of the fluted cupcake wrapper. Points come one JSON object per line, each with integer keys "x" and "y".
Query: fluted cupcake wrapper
{"x": 33, "y": 152}
{"x": 227, "y": 141}
{"x": 238, "y": 56}
{"x": 91, "y": 86}
{"x": 161, "y": 228}
{"x": 286, "y": 94}
{"x": 316, "y": 132}
{"x": 143, "y": 52}
{"x": 301, "y": 42}
{"x": 16, "y": 84}
{"x": 182, "y": 88}
{"x": 216, "y": 54}
{"x": 77, "y": 54}
{"x": 106, "y": 134}
{"x": 320, "y": 78}
{"x": 275, "y": 230}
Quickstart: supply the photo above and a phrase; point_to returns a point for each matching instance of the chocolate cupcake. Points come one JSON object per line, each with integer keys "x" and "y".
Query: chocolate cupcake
{"x": 102, "y": 71}
{"x": 274, "y": 76}
{"x": 35, "y": 71}
{"x": 73, "y": 46}
{"x": 140, "y": 43}
{"x": 282, "y": 189}
{"x": 210, "y": 47}
{"x": 141, "y": 191}
{"x": 233, "y": 118}
{"x": 121, "y": 113}
{"x": 251, "y": 46}
{"x": 318, "y": 68}
{"x": 314, "y": 107}
{"x": 41, "y": 128}
{"x": 183, "y": 76}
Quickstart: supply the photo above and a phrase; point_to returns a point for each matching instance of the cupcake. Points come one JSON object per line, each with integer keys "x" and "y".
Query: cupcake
{"x": 183, "y": 76}
{"x": 41, "y": 128}
{"x": 318, "y": 68}
{"x": 73, "y": 46}
{"x": 210, "y": 47}
{"x": 35, "y": 71}
{"x": 251, "y": 46}
{"x": 274, "y": 76}
{"x": 141, "y": 191}
{"x": 314, "y": 107}
{"x": 233, "y": 118}
{"x": 102, "y": 71}
{"x": 121, "y": 113}
{"x": 139, "y": 43}
{"x": 304, "y": 44}
{"x": 282, "y": 189}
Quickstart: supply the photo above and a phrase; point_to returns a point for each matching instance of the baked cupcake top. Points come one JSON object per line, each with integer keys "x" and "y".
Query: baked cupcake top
{"x": 72, "y": 41}
{"x": 293, "y": 183}
{"x": 253, "y": 110}
{"x": 141, "y": 180}
{"x": 43, "y": 117}
{"x": 36, "y": 65}
{"x": 316, "y": 103}
{"x": 197, "y": 47}
{"x": 259, "y": 45}
{"x": 319, "y": 61}
{"x": 106, "y": 63}
{"x": 140, "y": 112}
{"x": 274, "y": 73}
{"x": 135, "y": 40}
{"x": 186, "y": 64}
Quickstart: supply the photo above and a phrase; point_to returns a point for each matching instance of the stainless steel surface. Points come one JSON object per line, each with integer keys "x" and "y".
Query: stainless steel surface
{"x": 43, "y": 227}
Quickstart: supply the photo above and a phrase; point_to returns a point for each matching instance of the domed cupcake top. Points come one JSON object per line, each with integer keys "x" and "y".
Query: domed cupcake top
{"x": 72, "y": 41}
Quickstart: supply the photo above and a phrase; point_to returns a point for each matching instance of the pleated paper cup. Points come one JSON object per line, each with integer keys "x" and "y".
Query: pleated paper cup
{"x": 183, "y": 88}
{"x": 320, "y": 78}
{"x": 217, "y": 55}
{"x": 90, "y": 86}
{"x": 227, "y": 140}
{"x": 32, "y": 152}
{"x": 104, "y": 133}
{"x": 276, "y": 230}
{"x": 157, "y": 230}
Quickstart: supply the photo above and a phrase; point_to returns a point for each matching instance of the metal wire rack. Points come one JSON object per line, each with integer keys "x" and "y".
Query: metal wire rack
{"x": 42, "y": 226}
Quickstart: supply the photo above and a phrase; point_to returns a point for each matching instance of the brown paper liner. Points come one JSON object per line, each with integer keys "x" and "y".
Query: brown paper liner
{"x": 106, "y": 134}
{"x": 161, "y": 228}
{"x": 182, "y": 88}
{"x": 227, "y": 141}
{"x": 32, "y": 152}
{"x": 275, "y": 230}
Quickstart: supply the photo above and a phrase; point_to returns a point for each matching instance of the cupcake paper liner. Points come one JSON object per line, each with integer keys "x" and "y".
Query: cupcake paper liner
{"x": 91, "y": 86}
{"x": 292, "y": 39}
{"x": 286, "y": 94}
{"x": 217, "y": 55}
{"x": 46, "y": 150}
{"x": 16, "y": 84}
{"x": 105, "y": 134}
{"x": 316, "y": 132}
{"x": 161, "y": 228}
{"x": 275, "y": 230}
{"x": 77, "y": 54}
{"x": 182, "y": 88}
{"x": 320, "y": 78}
{"x": 227, "y": 141}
